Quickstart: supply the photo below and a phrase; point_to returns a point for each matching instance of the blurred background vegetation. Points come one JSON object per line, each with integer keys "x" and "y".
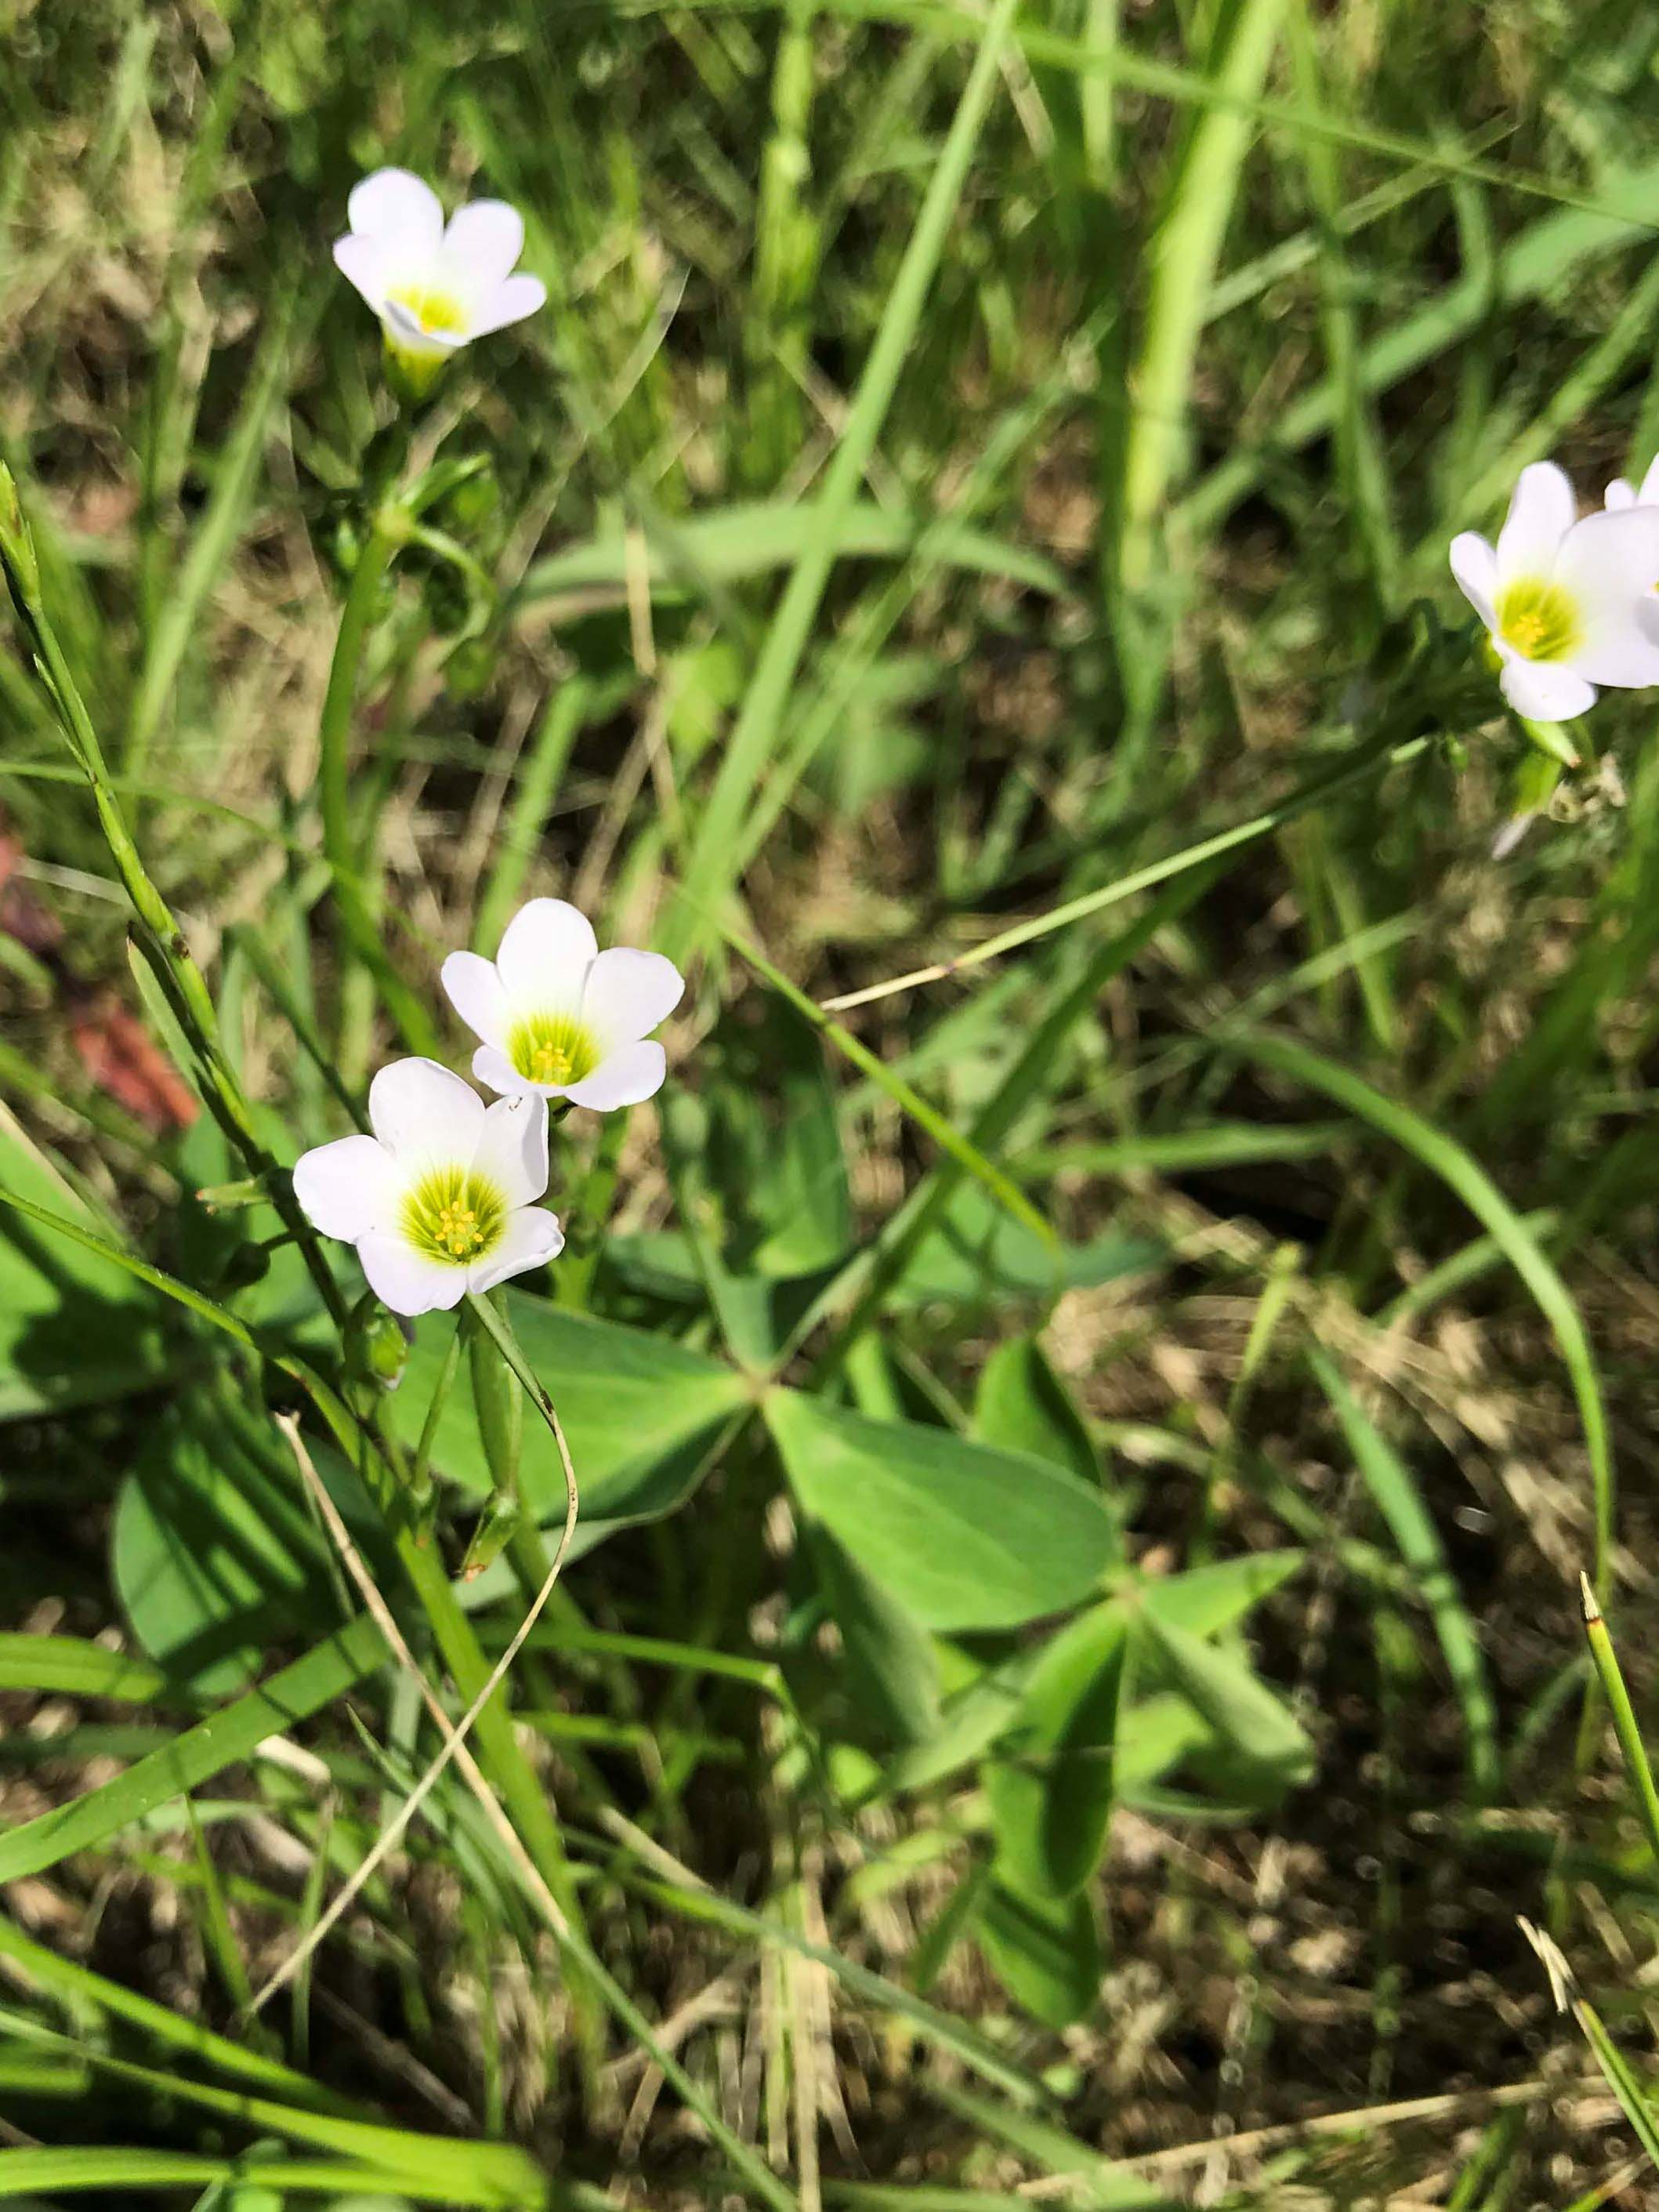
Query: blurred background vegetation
{"x": 1266, "y": 1213}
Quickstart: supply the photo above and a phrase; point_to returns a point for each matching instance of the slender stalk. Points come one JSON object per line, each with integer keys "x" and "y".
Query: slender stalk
{"x": 392, "y": 527}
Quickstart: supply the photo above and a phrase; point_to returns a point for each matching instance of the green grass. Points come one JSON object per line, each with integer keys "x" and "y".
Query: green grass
{"x": 1092, "y": 1385}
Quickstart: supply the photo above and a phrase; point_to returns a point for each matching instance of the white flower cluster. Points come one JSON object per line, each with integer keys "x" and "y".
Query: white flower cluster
{"x": 1569, "y": 603}
{"x": 441, "y": 1199}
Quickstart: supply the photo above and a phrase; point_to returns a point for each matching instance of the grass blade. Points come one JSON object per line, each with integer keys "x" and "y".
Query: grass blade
{"x": 1400, "y": 1502}
{"x": 1612, "y": 1676}
{"x": 1447, "y": 1159}
{"x": 223, "y": 1739}
{"x": 750, "y": 746}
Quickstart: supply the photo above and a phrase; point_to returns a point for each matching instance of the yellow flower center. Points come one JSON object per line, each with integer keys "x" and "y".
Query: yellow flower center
{"x": 1539, "y": 619}
{"x": 433, "y": 310}
{"x": 552, "y": 1048}
{"x": 452, "y": 1215}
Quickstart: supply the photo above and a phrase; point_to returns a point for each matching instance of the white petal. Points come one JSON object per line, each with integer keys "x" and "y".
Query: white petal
{"x": 347, "y": 1187}
{"x": 533, "y": 1236}
{"x": 509, "y": 302}
{"x": 394, "y": 204}
{"x": 628, "y": 993}
{"x": 1542, "y": 513}
{"x": 1649, "y": 494}
{"x": 1619, "y": 494}
{"x": 367, "y": 264}
{"x": 1543, "y": 693}
{"x": 622, "y": 1079}
{"x": 547, "y": 950}
{"x": 1475, "y": 566}
{"x": 475, "y": 991}
{"x": 483, "y": 244}
{"x": 406, "y": 1280}
{"x": 513, "y": 1150}
{"x": 425, "y": 1116}
{"x": 496, "y": 1072}
{"x": 1610, "y": 564}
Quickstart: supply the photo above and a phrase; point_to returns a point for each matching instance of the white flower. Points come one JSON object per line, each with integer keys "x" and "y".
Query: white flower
{"x": 1560, "y": 597}
{"x": 434, "y": 288}
{"x": 440, "y": 1200}
{"x": 559, "y": 1017}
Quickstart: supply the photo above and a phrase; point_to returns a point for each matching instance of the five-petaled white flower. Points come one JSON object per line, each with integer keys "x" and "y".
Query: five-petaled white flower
{"x": 440, "y": 1199}
{"x": 559, "y": 1017}
{"x": 1560, "y": 596}
{"x": 434, "y": 288}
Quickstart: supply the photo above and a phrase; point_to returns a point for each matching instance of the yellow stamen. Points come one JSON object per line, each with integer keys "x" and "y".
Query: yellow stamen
{"x": 1539, "y": 620}
{"x": 452, "y": 1215}
{"x": 434, "y": 312}
{"x": 552, "y": 1048}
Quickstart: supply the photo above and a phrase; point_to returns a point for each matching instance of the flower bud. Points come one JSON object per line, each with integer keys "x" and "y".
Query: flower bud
{"x": 377, "y": 1345}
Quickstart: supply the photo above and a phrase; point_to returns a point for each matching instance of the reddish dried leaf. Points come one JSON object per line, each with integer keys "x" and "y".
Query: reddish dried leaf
{"x": 120, "y": 1058}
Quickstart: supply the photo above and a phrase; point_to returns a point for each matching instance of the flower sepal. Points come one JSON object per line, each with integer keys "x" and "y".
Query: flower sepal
{"x": 412, "y": 378}
{"x": 495, "y": 1530}
{"x": 377, "y": 1346}
{"x": 1551, "y": 740}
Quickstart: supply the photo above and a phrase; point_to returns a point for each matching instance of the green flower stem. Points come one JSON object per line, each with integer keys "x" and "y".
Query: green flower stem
{"x": 532, "y": 1565}
{"x": 593, "y": 1207}
{"x": 392, "y": 527}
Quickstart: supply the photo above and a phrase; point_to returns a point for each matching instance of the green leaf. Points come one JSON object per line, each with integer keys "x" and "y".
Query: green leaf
{"x": 1237, "y": 1705}
{"x": 776, "y": 1150}
{"x": 639, "y": 1412}
{"x": 476, "y": 2173}
{"x": 1154, "y": 1737}
{"x": 1045, "y": 1951}
{"x": 73, "y": 1325}
{"x": 213, "y": 1555}
{"x": 964, "y": 1535}
{"x": 75, "y": 1669}
{"x": 1051, "y": 1793}
{"x": 1205, "y": 1599}
{"x": 119, "y": 2168}
{"x": 892, "y": 1672}
{"x": 78, "y": 1992}
{"x": 1023, "y": 1405}
{"x": 750, "y": 538}
{"x": 980, "y": 1252}
{"x": 973, "y": 1721}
